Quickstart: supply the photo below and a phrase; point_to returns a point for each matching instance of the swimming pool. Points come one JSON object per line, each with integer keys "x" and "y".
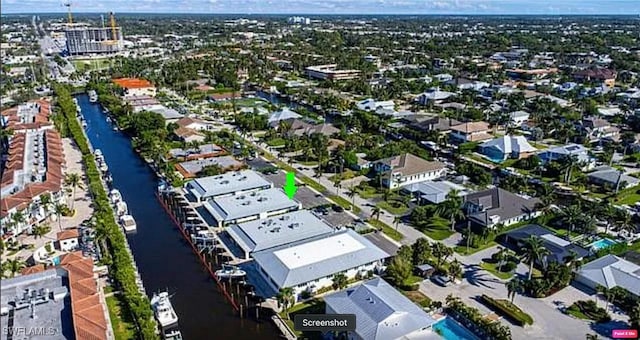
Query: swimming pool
{"x": 602, "y": 243}
{"x": 56, "y": 260}
{"x": 450, "y": 329}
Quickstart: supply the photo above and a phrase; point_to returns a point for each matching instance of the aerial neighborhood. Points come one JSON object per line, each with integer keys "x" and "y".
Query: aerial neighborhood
{"x": 436, "y": 177}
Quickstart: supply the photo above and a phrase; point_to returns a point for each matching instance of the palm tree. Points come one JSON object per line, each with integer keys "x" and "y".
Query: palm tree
{"x": 501, "y": 256}
{"x": 634, "y": 316}
{"x": 375, "y": 212}
{"x": 396, "y": 221}
{"x": 568, "y": 164}
{"x": 625, "y": 223}
{"x": 609, "y": 213}
{"x": 285, "y": 299}
{"x": 514, "y": 286}
{"x": 534, "y": 251}
{"x": 45, "y": 201}
{"x": 571, "y": 215}
{"x": 74, "y": 181}
{"x": 40, "y": 230}
{"x": 441, "y": 252}
{"x": 59, "y": 209}
{"x": 337, "y": 183}
{"x": 451, "y": 208}
{"x": 352, "y": 192}
{"x": 339, "y": 281}
{"x": 18, "y": 219}
{"x": 13, "y": 266}
{"x": 455, "y": 270}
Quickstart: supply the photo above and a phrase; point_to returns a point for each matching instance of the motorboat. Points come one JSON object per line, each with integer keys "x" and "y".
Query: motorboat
{"x": 108, "y": 119}
{"x": 166, "y": 316}
{"x": 104, "y": 167}
{"x": 115, "y": 196}
{"x": 121, "y": 208}
{"x": 230, "y": 272}
{"x": 128, "y": 223}
{"x": 97, "y": 152}
{"x": 93, "y": 96}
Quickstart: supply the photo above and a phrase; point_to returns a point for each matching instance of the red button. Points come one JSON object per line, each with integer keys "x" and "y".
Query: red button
{"x": 624, "y": 333}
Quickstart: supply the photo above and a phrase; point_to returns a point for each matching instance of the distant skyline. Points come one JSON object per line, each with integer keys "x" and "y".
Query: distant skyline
{"x": 461, "y": 7}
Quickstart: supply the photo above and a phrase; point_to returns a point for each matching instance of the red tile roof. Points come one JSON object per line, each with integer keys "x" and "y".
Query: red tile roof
{"x": 132, "y": 83}
{"x": 67, "y": 234}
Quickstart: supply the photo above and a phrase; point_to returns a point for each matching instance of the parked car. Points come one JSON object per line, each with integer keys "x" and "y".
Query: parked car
{"x": 337, "y": 208}
{"x": 440, "y": 280}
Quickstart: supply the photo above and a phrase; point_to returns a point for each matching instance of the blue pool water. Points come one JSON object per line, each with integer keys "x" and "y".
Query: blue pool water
{"x": 450, "y": 329}
{"x": 602, "y": 243}
{"x": 56, "y": 260}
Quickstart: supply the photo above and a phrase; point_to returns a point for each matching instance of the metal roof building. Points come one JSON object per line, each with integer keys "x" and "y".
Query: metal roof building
{"x": 611, "y": 271}
{"x": 306, "y": 264}
{"x": 382, "y": 312}
{"x": 230, "y": 183}
{"x": 250, "y": 206}
{"x": 268, "y": 233}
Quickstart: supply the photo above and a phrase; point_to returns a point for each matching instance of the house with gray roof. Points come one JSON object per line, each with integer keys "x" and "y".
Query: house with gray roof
{"x": 508, "y": 146}
{"x": 433, "y": 191}
{"x": 259, "y": 235}
{"x": 488, "y": 208}
{"x": 569, "y": 150}
{"x": 559, "y": 249}
{"x": 382, "y": 313}
{"x": 283, "y": 114}
{"x": 310, "y": 264}
{"x": 230, "y": 183}
{"x": 250, "y": 206}
{"x": 606, "y": 175}
{"x": 610, "y": 271}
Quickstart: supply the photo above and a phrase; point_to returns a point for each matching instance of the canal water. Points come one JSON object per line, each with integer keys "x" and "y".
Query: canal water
{"x": 164, "y": 258}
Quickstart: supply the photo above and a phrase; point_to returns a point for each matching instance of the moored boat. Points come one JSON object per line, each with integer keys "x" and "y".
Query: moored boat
{"x": 93, "y": 96}
{"x": 115, "y": 196}
{"x": 166, "y": 316}
{"x": 128, "y": 223}
{"x": 230, "y": 272}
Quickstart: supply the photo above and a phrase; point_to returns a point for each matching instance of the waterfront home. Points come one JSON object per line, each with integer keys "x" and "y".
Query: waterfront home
{"x": 488, "y": 208}
{"x": 68, "y": 239}
{"x": 250, "y": 206}
{"x": 309, "y": 265}
{"x": 65, "y": 298}
{"x": 33, "y": 115}
{"x": 284, "y": 114}
{"x": 201, "y": 152}
{"x": 406, "y": 169}
{"x": 559, "y": 249}
{"x": 569, "y": 150}
{"x": 195, "y": 124}
{"x": 470, "y": 132}
{"x": 382, "y": 312}
{"x": 610, "y": 271}
{"x": 228, "y": 184}
{"x": 504, "y": 147}
{"x": 189, "y": 135}
{"x": 136, "y": 87}
{"x": 259, "y": 235}
{"x": 300, "y": 127}
{"x": 613, "y": 178}
{"x": 191, "y": 169}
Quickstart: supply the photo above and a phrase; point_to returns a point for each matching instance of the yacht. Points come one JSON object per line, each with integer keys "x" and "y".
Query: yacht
{"x": 128, "y": 223}
{"x": 93, "y": 96}
{"x": 121, "y": 208}
{"x": 166, "y": 316}
{"x": 97, "y": 152}
{"x": 230, "y": 272}
{"x": 104, "y": 167}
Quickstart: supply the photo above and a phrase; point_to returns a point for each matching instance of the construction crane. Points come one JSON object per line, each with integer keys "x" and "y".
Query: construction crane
{"x": 67, "y": 4}
{"x": 114, "y": 31}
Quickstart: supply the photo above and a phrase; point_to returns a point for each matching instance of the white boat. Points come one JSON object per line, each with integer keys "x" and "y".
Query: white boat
{"x": 97, "y": 152}
{"x": 115, "y": 128}
{"x": 166, "y": 316}
{"x": 108, "y": 120}
{"x": 121, "y": 208}
{"x": 230, "y": 272}
{"x": 128, "y": 223}
{"x": 115, "y": 196}
{"x": 104, "y": 167}
{"x": 93, "y": 96}
{"x": 84, "y": 124}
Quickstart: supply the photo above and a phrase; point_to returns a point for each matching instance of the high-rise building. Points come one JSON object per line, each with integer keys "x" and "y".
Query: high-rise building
{"x": 83, "y": 40}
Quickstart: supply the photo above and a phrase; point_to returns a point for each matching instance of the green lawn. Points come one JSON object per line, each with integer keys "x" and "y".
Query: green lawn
{"x": 276, "y": 142}
{"x": 438, "y": 233}
{"x": 250, "y": 102}
{"x": 310, "y": 182}
{"x": 368, "y": 192}
{"x": 316, "y": 306}
{"x": 395, "y": 235}
{"x": 123, "y": 326}
{"x": 418, "y": 298}
{"x": 462, "y": 250}
{"x": 394, "y": 207}
{"x": 344, "y": 203}
{"x": 493, "y": 269}
{"x": 90, "y": 64}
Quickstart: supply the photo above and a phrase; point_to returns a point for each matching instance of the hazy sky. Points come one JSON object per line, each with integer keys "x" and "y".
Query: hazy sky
{"x": 332, "y": 6}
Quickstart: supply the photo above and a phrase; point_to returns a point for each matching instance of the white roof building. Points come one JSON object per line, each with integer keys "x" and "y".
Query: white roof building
{"x": 230, "y": 183}
{"x": 611, "y": 271}
{"x": 250, "y": 206}
{"x": 283, "y": 114}
{"x": 507, "y": 146}
{"x": 373, "y": 105}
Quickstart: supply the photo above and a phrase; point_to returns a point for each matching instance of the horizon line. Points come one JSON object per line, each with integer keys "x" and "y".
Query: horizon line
{"x": 344, "y": 14}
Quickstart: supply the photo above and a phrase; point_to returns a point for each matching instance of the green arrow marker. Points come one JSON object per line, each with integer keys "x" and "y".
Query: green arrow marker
{"x": 290, "y": 185}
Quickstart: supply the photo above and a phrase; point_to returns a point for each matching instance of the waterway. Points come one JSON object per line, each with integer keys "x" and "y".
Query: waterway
{"x": 164, "y": 258}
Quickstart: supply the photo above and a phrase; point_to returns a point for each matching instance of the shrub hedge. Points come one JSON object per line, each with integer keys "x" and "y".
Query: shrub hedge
{"x": 509, "y": 310}
{"x": 122, "y": 264}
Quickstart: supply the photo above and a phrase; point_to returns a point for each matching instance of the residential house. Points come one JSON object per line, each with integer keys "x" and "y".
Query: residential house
{"x": 191, "y": 169}
{"x": 189, "y": 135}
{"x": 430, "y": 123}
{"x": 531, "y": 74}
{"x": 600, "y": 75}
{"x": 221, "y": 97}
{"x": 330, "y": 72}
{"x": 468, "y": 84}
{"x": 300, "y": 127}
{"x": 488, "y": 208}
{"x": 374, "y": 105}
{"x": 595, "y": 128}
{"x": 470, "y": 132}
{"x": 68, "y": 240}
{"x": 136, "y": 87}
{"x": 509, "y": 146}
{"x": 610, "y": 271}
{"x": 284, "y": 114}
{"x": 406, "y": 169}
{"x": 201, "y": 152}
{"x": 613, "y": 178}
{"x": 310, "y": 265}
{"x": 433, "y": 192}
{"x": 195, "y": 124}
{"x": 559, "y": 249}
{"x": 382, "y": 312}
{"x": 434, "y": 95}
{"x": 569, "y": 150}
{"x": 519, "y": 117}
